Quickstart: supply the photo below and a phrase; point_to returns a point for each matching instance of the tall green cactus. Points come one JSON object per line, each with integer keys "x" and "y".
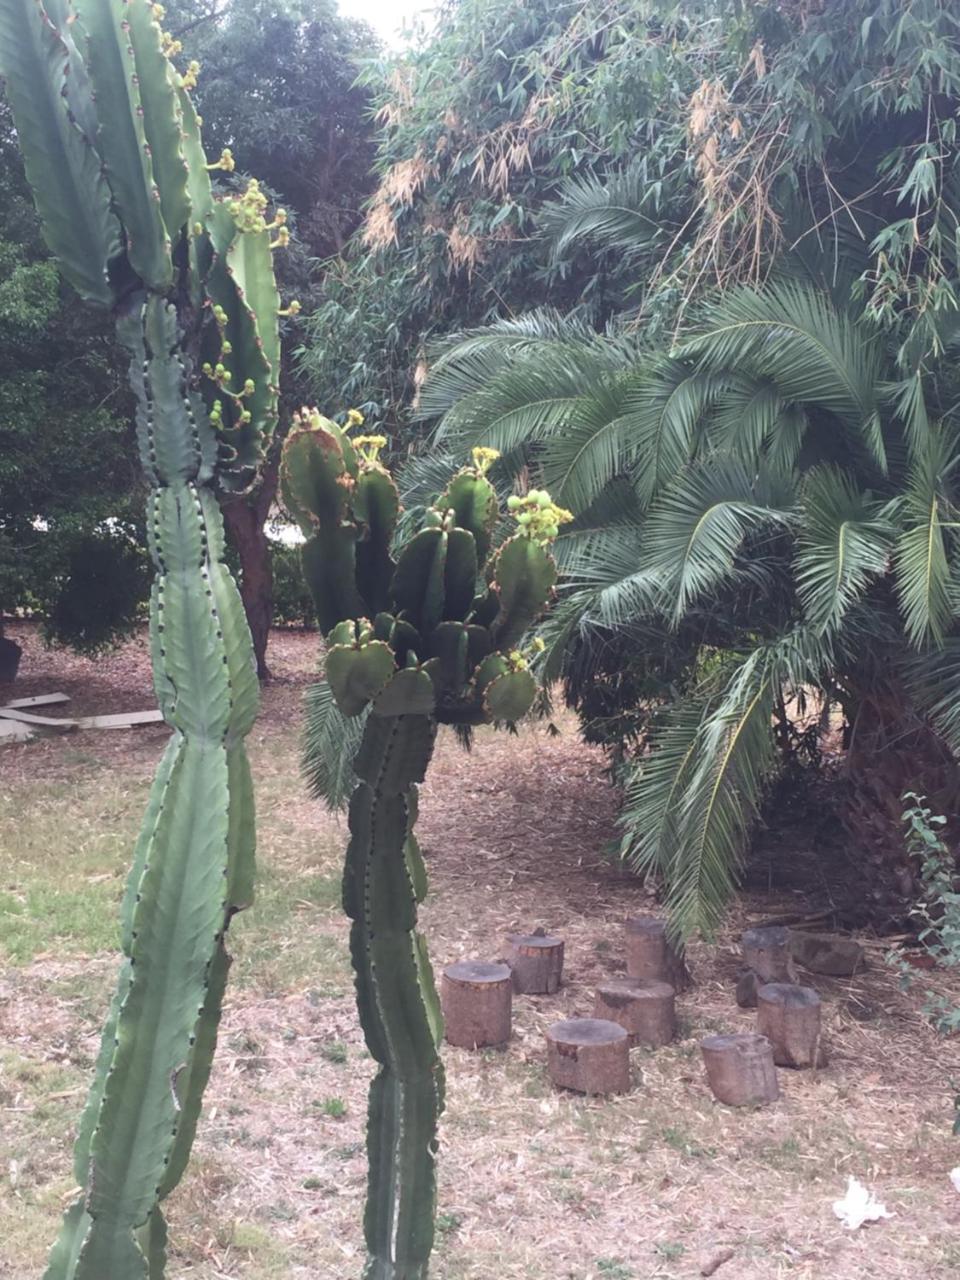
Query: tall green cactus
{"x": 113, "y": 154}
{"x": 424, "y": 640}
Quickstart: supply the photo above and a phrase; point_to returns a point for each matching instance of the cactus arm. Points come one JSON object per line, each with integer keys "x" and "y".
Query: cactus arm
{"x": 199, "y": 187}
{"x": 524, "y": 576}
{"x": 162, "y": 119}
{"x": 122, "y": 139}
{"x": 473, "y": 500}
{"x": 62, "y": 167}
{"x": 399, "y": 1010}
{"x": 459, "y": 574}
{"x": 418, "y": 584}
{"x": 249, "y": 262}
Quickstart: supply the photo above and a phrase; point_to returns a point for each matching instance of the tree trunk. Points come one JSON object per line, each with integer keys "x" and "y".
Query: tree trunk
{"x": 891, "y": 749}
{"x": 246, "y": 519}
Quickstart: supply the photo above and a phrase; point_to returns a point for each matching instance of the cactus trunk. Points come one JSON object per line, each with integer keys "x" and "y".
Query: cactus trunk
{"x": 113, "y": 154}
{"x": 440, "y": 649}
{"x": 194, "y": 860}
{"x": 384, "y": 880}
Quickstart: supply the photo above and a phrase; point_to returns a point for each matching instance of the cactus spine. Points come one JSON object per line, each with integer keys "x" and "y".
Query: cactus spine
{"x": 112, "y": 150}
{"x": 426, "y": 639}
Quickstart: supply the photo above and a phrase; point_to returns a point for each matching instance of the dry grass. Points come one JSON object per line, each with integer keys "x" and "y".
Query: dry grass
{"x": 533, "y": 1185}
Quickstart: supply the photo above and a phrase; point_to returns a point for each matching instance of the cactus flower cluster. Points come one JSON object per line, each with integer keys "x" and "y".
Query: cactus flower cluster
{"x": 419, "y": 635}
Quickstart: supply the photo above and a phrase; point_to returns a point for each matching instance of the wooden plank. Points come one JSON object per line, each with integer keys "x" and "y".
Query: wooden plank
{"x": 124, "y": 720}
{"x": 45, "y": 722}
{"x": 39, "y": 700}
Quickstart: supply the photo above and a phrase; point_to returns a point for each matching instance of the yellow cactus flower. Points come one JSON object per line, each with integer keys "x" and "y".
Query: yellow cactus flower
{"x": 369, "y": 447}
{"x": 484, "y": 458}
{"x": 354, "y": 418}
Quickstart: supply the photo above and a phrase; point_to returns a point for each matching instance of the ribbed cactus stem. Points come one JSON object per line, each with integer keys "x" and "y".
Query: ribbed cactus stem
{"x": 193, "y": 863}
{"x": 384, "y": 880}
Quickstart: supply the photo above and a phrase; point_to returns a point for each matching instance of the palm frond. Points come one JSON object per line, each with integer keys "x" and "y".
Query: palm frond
{"x": 609, "y": 213}
{"x": 465, "y": 363}
{"x": 934, "y": 680}
{"x": 528, "y": 399}
{"x": 653, "y": 795}
{"x": 691, "y": 803}
{"x": 596, "y": 445}
{"x": 745, "y": 416}
{"x": 330, "y": 743}
{"x": 695, "y": 527}
{"x": 843, "y": 543}
{"x": 733, "y": 759}
{"x": 814, "y": 353}
{"x": 921, "y": 562}
{"x": 665, "y": 411}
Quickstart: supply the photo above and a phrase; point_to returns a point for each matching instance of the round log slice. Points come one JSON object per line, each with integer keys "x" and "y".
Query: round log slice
{"x": 789, "y": 1016}
{"x": 651, "y": 955}
{"x": 536, "y": 961}
{"x": 477, "y": 1001}
{"x": 644, "y": 1007}
{"x": 589, "y": 1055}
{"x": 740, "y": 1069}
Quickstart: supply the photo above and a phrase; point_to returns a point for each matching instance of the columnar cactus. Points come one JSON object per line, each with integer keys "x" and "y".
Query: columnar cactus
{"x": 428, "y": 638}
{"x": 113, "y": 153}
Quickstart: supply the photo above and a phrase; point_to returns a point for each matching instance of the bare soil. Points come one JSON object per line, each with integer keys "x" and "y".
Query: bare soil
{"x": 534, "y": 1185}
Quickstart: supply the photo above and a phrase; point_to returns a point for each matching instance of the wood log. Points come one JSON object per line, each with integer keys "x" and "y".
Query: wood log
{"x": 589, "y": 1055}
{"x": 827, "y": 953}
{"x": 477, "y": 1001}
{"x": 536, "y": 961}
{"x": 644, "y": 1007}
{"x": 789, "y": 1016}
{"x": 651, "y": 955}
{"x": 740, "y": 1069}
{"x": 767, "y": 952}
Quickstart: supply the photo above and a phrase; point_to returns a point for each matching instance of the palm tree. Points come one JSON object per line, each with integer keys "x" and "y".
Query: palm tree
{"x": 768, "y": 510}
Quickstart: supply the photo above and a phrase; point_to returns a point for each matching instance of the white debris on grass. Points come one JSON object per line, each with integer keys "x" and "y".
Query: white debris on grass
{"x": 858, "y": 1206}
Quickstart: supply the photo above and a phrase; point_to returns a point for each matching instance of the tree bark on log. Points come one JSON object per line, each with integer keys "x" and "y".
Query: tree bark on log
{"x": 477, "y": 1004}
{"x": 789, "y": 1017}
{"x": 644, "y": 1007}
{"x": 245, "y": 518}
{"x": 589, "y": 1055}
{"x": 740, "y": 1069}
{"x": 652, "y": 956}
{"x": 536, "y": 960}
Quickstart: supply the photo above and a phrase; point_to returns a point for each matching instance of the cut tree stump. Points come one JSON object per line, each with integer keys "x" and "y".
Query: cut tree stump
{"x": 740, "y": 1069}
{"x": 644, "y": 1008}
{"x": 477, "y": 1003}
{"x": 536, "y": 961}
{"x": 651, "y": 955}
{"x": 589, "y": 1055}
{"x": 789, "y": 1016}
